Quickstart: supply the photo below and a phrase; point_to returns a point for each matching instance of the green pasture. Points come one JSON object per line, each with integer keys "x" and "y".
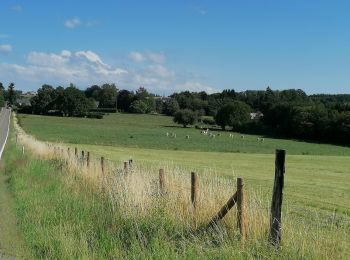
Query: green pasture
{"x": 149, "y": 131}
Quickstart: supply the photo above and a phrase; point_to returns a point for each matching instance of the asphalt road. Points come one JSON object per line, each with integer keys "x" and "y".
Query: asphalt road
{"x": 4, "y": 126}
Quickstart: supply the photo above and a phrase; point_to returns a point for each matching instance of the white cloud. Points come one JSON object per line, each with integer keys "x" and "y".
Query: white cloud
{"x": 137, "y": 56}
{"x": 5, "y": 48}
{"x": 77, "y": 22}
{"x": 147, "y": 56}
{"x": 195, "y": 86}
{"x": 160, "y": 71}
{"x": 156, "y": 57}
{"x": 72, "y": 23}
{"x": 85, "y": 68}
{"x": 90, "y": 56}
{"x": 17, "y": 8}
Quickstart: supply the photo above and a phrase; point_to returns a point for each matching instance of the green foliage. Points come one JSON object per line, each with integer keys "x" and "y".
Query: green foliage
{"x": 235, "y": 114}
{"x": 70, "y": 101}
{"x": 11, "y": 94}
{"x": 140, "y": 107}
{"x": 124, "y": 100}
{"x": 185, "y": 117}
{"x": 2, "y": 99}
{"x": 170, "y": 106}
{"x": 107, "y": 96}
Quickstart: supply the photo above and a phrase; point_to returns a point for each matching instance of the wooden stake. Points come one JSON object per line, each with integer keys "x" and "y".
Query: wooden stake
{"x": 194, "y": 189}
{"x": 223, "y": 211}
{"x": 241, "y": 214}
{"x": 277, "y": 197}
{"x": 76, "y": 152}
{"x": 161, "y": 181}
{"x": 88, "y": 159}
{"x": 102, "y": 164}
{"x": 126, "y": 166}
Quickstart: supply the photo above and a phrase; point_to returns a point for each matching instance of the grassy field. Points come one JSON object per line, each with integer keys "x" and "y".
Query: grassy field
{"x": 65, "y": 212}
{"x": 149, "y": 131}
{"x": 317, "y": 195}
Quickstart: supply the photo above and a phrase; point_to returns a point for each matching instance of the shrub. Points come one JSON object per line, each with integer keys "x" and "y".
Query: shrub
{"x": 185, "y": 117}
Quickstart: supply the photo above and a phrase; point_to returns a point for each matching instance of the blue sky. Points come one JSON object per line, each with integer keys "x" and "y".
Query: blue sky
{"x": 170, "y": 45}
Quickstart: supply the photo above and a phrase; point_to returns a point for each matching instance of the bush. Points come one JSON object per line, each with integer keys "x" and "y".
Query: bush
{"x": 208, "y": 121}
{"x": 185, "y": 117}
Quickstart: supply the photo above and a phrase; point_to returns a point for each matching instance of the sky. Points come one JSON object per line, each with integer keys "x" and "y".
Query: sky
{"x": 168, "y": 46}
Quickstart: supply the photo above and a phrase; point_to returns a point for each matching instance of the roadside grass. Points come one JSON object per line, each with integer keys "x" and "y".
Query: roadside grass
{"x": 66, "y": 211}
{"x": 149, "y": 131}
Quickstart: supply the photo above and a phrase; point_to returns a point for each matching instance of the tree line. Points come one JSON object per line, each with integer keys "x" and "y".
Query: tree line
{"x": 289, "y": 113}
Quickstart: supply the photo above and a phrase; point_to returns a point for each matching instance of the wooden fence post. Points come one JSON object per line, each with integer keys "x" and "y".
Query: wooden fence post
{"x": 277, "y": 197}
{"x": 223, "y": 211}
{"x": 194, "y": 189}
{"x": 88, "y": 159}
{"x": 125, "y": 166}
{"x": 161, "y": 181}
{"x": 82, "y": 155}
{"x": 102, "y": 164}
{"x": 241, "y": 214}
{"x": 76, "y": 152}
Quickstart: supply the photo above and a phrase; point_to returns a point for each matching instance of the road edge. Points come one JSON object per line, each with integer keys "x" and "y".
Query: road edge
{"x": 7, "y": 134}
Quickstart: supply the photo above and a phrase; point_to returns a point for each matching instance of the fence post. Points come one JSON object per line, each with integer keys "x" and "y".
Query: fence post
{"x": 126, "y": 166}
{"x": 161, "y": 181}
{"x": 241, "y": 218}
{"x": 88, "y": 159}
{"x": 277, "y": 197}
{"x": 102, "y": 164}
{"x": 194, "y": 189}
{"x": 76, "y": 152}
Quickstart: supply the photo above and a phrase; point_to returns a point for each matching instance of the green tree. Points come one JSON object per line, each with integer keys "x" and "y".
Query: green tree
{"x": 75, "y": 102}
{"x": 124, "y": 100}
{"x": 44, "y": 100}
{"x": 185, "y": 117}
{"x": 234, "y": 114}
{"x": 2, "y": 99}
{"x": 11, "y": 94}
{"x": 139, "y": 106}
{"x": 108, "y": 96}
{"x": 170, "y": 106}
{"x": 93, "y": 92}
